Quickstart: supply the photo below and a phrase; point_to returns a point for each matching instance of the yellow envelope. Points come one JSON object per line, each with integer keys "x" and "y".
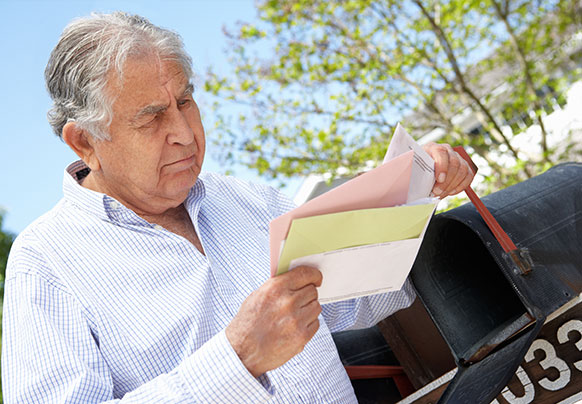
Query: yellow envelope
{"x": 383, "y": 186}
{"x": 318, "y": 234}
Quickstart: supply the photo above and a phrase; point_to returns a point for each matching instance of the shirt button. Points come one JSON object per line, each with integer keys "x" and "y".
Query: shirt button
{"x": 114, "y": 205}
{"x": 158, "y": 227}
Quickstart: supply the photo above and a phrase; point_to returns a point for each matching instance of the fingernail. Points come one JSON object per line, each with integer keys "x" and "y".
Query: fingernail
{"x": 442, "y": 177}
{"x": 437, "y": 191}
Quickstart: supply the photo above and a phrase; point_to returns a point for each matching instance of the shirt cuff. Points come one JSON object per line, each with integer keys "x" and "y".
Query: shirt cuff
{"x": 215, "y": 373}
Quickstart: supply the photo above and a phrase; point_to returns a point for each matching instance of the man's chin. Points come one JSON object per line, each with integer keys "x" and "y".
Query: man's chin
{"x": 181, "y": 184}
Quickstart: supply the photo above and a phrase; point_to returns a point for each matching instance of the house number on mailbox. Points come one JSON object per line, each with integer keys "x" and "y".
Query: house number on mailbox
{"x": 556, "y": 374}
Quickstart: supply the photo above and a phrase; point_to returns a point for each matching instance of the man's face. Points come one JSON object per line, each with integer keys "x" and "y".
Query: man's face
{"x": 157, "y": 140}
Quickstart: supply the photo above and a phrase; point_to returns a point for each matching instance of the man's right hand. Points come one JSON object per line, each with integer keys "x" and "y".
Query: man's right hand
{"x": 277, "y": 320}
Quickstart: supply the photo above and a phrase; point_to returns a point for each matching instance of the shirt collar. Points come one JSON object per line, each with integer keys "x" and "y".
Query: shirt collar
{"x": 107, "y": 208}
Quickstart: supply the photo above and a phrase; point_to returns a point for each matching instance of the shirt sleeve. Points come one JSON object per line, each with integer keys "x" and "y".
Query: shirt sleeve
{"x": 367, "y": 311}
{"x": 50, "y": 354}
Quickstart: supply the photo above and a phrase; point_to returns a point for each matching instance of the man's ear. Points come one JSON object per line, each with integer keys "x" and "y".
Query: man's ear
{"x": 82, "y": 143}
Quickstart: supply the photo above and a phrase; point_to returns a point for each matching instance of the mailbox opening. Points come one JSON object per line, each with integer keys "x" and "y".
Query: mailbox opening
{"x": 464, "y": 290}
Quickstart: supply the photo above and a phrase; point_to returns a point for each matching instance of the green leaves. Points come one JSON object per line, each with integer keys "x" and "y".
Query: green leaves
{"x": 248, "y": 31}
{"x": 6, "y": 240}
{"x": 319, "y": 85}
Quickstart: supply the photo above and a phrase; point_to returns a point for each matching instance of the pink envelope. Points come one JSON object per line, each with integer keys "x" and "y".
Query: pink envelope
{"x": 381, "y": 187}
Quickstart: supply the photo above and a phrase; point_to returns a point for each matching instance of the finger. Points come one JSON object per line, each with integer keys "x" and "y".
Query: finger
{"x": 312, "y": 328}
{"x": 458, "y": 170}
{"x": 306, "y": 334}
{"x": 302, "y": 276}
{"x": 306, "y": 295}
{"x": 452, "y": 172}
{"x": 463, "y": 179}
{"x": 440, "y": 155}
{"x": 311, "y": 311}
{"x": 466, "y": 181}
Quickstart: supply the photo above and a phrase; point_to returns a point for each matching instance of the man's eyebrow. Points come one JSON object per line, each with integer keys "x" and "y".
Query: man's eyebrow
{"x": 156, "y": 109}
{"x": 188, "y": 90}
{"x": 149, "y": 110}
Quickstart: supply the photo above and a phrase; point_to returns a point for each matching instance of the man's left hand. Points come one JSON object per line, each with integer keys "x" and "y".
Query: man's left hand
{"x": 453, "y": 174}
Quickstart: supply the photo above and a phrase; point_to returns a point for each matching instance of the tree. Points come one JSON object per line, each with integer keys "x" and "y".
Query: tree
{"x": 338, "y": 76}
{"x": 6, "y": 239}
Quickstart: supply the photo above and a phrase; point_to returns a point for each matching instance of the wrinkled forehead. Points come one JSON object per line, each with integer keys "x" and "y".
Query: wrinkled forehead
{"x": 142, "y": 71}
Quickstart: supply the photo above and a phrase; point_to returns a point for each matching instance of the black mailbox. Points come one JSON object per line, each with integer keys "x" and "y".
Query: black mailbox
{"x": 486, "y": 309}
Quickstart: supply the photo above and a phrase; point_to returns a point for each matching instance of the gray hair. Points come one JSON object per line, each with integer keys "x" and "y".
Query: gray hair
{"x": 89, "y": 48}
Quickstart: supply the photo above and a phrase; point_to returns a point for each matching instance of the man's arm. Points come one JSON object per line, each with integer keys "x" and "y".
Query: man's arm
{"x": 277, "y": 320}
{"x": 52, "y": 354}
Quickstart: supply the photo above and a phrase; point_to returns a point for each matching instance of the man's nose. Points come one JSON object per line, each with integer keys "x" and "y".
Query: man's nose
{"x": 178, "y": 128}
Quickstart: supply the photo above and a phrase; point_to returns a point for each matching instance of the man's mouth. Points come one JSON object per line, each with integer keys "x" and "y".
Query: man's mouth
{"x": 184, "y": 163}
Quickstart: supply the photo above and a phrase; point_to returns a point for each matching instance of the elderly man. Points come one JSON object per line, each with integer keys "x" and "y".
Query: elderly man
{"x": 149, "y": 281}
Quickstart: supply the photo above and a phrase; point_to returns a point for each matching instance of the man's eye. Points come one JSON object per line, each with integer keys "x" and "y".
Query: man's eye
{"x": 184, "y": 103}
{"x": 146, "y": 123}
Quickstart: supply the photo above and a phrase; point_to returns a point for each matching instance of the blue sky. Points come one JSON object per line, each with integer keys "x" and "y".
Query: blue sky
{"x": 32, "y": 158}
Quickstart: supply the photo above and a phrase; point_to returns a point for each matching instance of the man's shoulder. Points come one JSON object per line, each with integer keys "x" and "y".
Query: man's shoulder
{"x": 46, "y": 229}
{"x": 26, "y": 253}
{"x": 42, "y": 221}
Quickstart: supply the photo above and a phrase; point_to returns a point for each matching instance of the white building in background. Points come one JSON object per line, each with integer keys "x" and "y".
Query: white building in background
{"x": 563, "y": 127}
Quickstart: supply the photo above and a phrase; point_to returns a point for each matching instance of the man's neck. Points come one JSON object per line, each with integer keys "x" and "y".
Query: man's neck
{"x": 152, "y": 207}
{"x": 177, "y": 219}
{"x": 170, "y": 218}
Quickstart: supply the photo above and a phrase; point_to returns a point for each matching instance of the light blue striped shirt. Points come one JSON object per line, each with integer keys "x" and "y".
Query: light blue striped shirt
{"x": 101, "y": 305}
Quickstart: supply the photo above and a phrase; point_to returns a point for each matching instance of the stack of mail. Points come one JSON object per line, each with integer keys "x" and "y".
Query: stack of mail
{"x": 365, "y": 234}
